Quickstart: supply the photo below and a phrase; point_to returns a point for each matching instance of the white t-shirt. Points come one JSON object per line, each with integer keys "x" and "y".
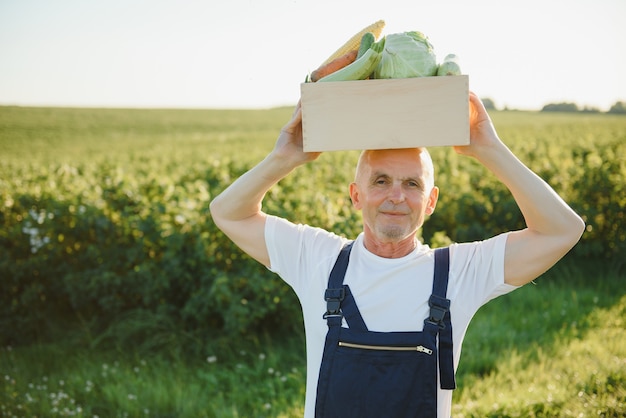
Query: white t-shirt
{"x": 391, "y": 293}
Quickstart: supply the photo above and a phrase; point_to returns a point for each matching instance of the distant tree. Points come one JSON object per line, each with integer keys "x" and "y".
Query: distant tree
{"x": 560, "y": 107}
{"x": 618, "y": 108}
{"x": 588, "y": 109}
{"x": 489, "y": 104}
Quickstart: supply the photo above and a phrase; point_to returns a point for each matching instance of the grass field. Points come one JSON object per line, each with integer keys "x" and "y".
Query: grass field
{"x": 556, "y": 348}
{"x": 565, "y": 356}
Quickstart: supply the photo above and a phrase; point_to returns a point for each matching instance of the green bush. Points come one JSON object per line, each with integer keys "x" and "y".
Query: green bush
{"x": 108, "y": 216}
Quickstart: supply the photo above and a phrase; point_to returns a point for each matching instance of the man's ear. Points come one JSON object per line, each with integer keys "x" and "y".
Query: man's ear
{"x": 432, "y": 200}
{"x": 355, "y": 196}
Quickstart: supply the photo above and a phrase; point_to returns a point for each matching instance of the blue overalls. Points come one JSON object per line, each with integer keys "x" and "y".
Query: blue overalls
{"x": 383, "y": 374}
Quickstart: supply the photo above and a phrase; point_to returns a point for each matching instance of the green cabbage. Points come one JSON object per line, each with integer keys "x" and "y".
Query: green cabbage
{"x": 407, "y": 54}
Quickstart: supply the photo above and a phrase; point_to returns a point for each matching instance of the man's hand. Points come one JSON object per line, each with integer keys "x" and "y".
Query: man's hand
{"x": 482, "y": 132}
{"x": 289, "y": 145}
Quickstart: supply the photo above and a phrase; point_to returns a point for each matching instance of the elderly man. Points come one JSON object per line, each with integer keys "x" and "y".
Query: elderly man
{"x": 384, "y": 314}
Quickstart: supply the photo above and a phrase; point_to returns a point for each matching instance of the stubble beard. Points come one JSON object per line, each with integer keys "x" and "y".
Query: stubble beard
{"x": 392, "y": 232}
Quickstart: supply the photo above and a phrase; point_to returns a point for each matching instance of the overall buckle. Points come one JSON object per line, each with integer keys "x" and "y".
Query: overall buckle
{"x": 438, "y": 309}
{"x": 333, "y": 298}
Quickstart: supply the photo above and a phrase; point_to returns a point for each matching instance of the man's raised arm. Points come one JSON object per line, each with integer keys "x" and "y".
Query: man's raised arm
{"x": 553, "y": 228}
{"x": 237, "y": 210}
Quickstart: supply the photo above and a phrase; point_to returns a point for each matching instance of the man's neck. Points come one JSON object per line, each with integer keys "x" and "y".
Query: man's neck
{"x": 395, "y": 249}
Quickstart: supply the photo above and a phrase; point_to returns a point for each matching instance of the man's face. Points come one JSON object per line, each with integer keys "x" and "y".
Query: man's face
{"x": 394, "y": 191}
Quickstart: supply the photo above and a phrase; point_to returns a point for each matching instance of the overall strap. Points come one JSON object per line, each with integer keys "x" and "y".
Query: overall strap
{"x": 339, "y": 300}
{"x": 335, "y": 280}
{"x": 440, "y": 316}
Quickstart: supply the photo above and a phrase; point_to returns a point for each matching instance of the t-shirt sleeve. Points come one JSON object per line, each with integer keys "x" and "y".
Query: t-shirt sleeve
{"x": 300, "y": 252}
{"x": 478, "y": 271}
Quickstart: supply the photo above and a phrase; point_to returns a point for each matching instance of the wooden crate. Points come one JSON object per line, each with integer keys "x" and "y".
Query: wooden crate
{"x": 379, "y": 114}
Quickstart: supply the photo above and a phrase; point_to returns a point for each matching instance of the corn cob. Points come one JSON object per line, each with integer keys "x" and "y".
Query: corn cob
{"x": 354, "y": 42}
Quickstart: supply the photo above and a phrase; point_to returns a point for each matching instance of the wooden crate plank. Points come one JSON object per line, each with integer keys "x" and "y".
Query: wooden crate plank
{"x": 378, "y": 114}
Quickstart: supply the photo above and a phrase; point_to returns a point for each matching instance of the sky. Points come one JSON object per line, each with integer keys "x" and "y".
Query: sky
{"x": 256, "y": 53}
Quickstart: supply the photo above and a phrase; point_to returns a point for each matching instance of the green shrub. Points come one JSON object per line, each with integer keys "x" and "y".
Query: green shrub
{"x": 108, "y": 215}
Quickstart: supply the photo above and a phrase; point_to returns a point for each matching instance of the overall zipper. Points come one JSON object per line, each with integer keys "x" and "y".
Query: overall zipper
{"x": 419, "y": 348}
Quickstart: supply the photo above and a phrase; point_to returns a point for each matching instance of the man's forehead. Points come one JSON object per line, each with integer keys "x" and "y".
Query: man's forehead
{"x": 401, "y": 173}
{"x": 394, "y": 158}
{"x": 399, "y": 163}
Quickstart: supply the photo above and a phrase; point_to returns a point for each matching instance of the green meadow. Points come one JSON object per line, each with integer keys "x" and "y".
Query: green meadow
{"x": 120, "y": 298}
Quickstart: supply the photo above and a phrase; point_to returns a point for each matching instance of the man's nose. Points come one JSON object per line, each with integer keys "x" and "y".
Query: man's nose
{"x": 396, "y": 193}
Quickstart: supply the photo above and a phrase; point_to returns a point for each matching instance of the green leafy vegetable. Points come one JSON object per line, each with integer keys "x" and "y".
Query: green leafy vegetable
{"x": 407, "y": 54}
{"x": 449, "y": 66}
